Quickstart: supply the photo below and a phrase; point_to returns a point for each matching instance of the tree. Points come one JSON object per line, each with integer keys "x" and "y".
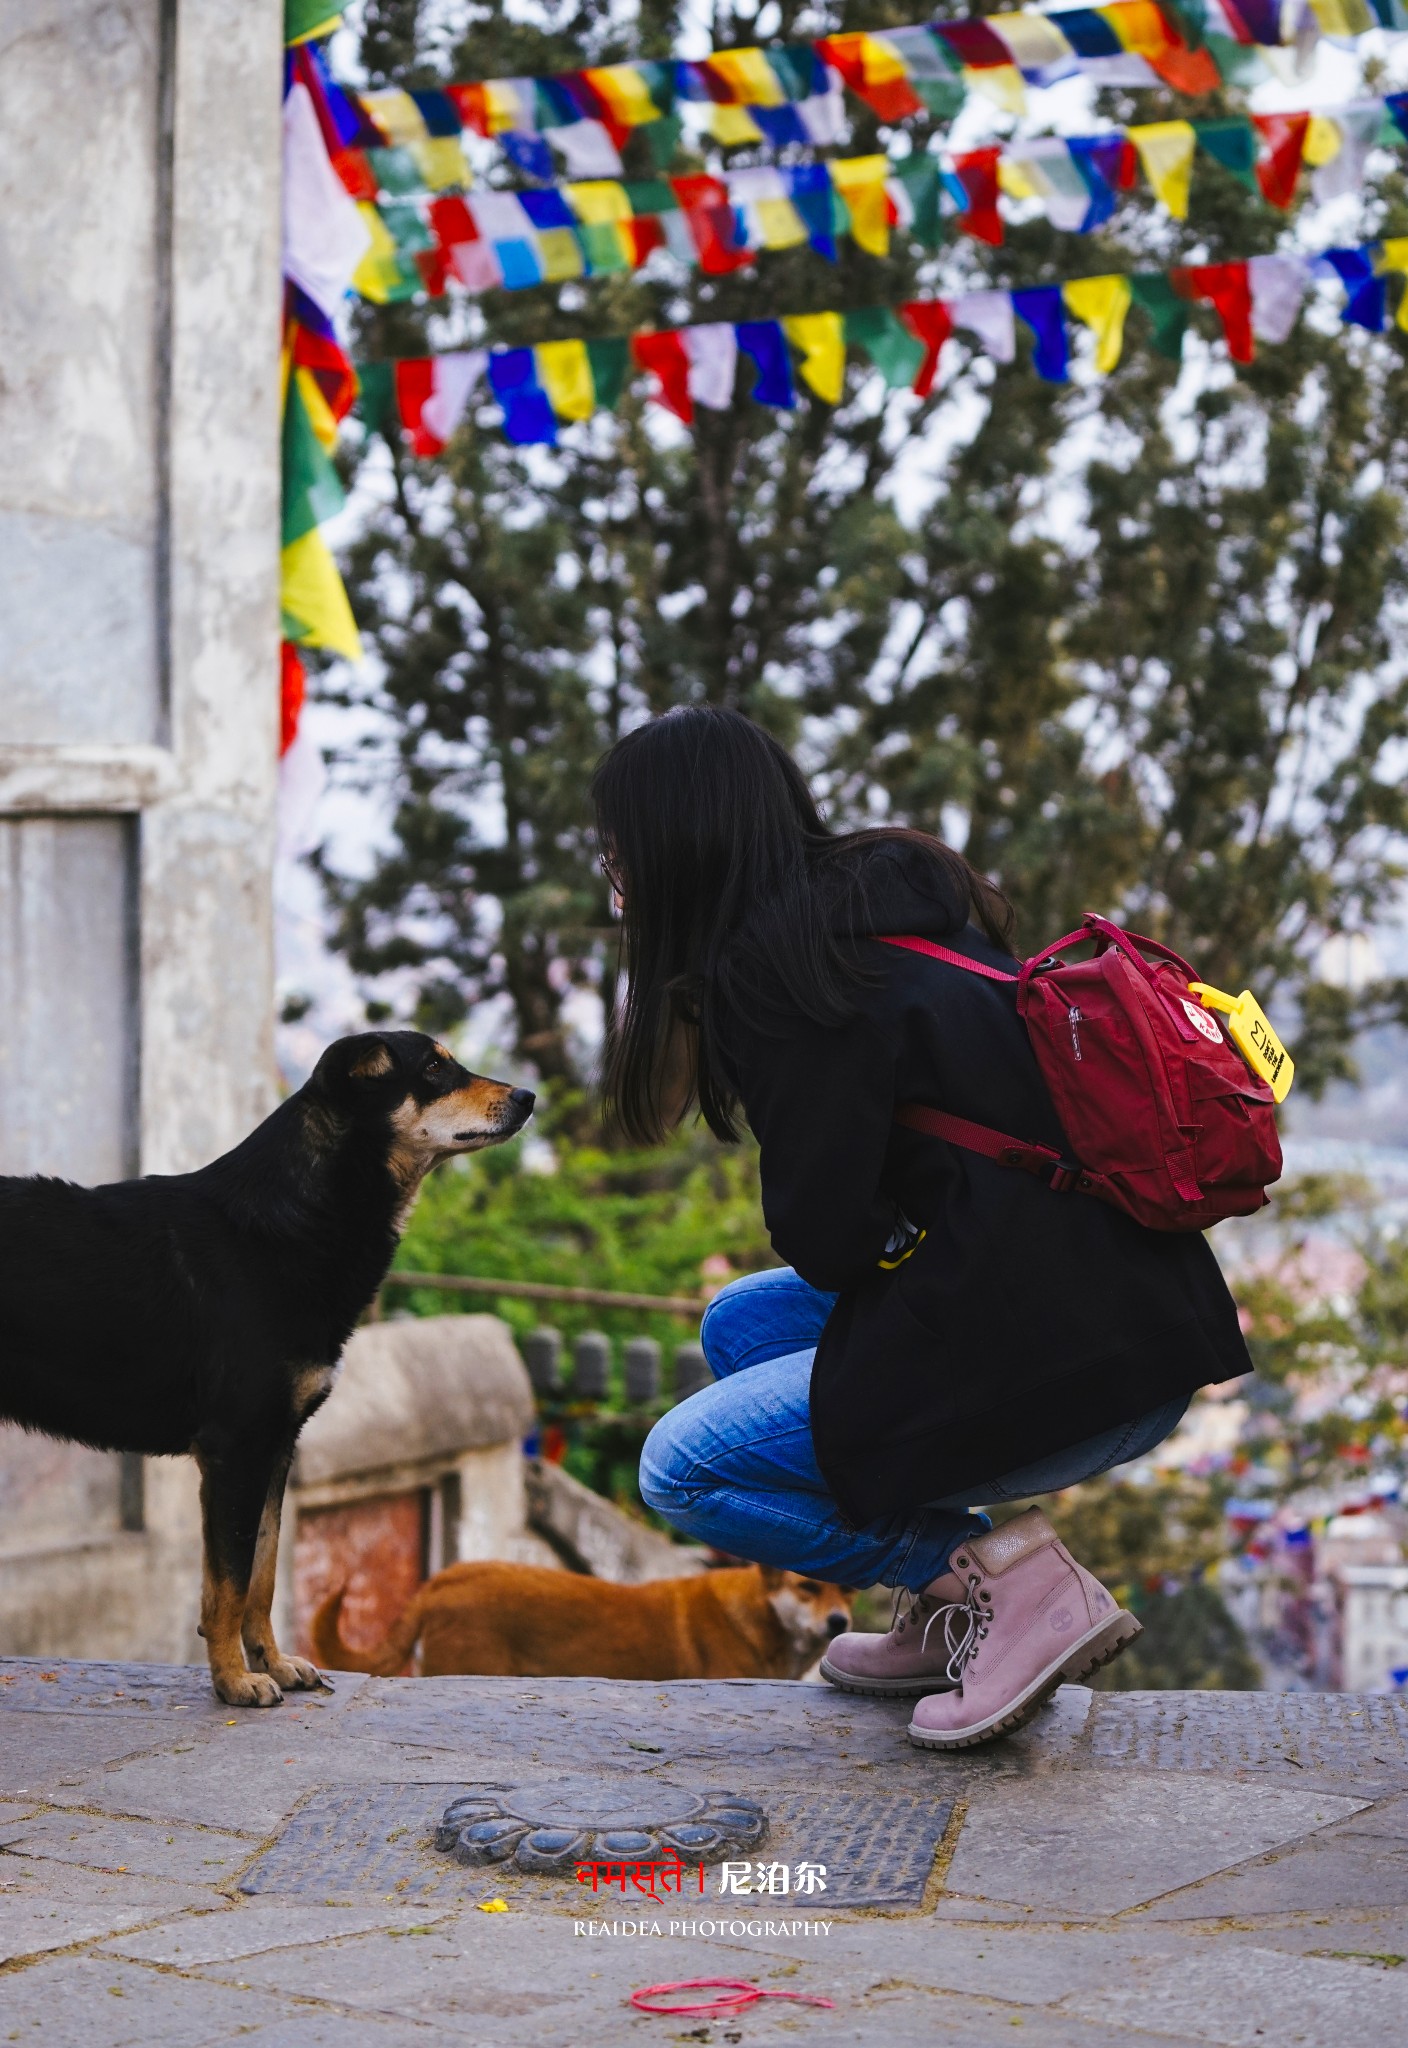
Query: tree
{"x": 1135, "y": 661}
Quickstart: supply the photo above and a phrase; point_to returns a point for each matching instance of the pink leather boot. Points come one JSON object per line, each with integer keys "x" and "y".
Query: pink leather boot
{"x": 913, "y": 1658}
{"x": 1031, "y": 1618}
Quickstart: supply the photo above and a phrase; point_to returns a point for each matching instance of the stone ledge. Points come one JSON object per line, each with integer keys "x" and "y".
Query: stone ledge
{"x": 1132, "y": 1868}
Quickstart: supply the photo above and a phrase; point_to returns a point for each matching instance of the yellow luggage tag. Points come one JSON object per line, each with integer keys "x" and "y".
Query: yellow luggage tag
{"x": 1252, "y": 1035}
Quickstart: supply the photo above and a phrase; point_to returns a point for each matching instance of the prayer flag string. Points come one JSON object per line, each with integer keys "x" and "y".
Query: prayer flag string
{"x": 541, "y": 389}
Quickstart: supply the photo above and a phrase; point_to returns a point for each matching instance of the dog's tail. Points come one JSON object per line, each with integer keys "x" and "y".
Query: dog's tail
{"x": 391, "y": 1654}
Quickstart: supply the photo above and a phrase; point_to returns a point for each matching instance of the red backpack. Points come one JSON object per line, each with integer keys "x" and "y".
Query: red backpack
{"x": 1165, "y": 1117}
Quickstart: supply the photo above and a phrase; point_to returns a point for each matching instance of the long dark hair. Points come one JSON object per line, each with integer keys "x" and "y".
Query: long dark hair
{"x": 737, "y": 900}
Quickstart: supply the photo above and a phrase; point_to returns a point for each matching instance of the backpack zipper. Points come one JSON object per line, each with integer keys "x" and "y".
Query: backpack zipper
{"x": 1075, "y": 1019}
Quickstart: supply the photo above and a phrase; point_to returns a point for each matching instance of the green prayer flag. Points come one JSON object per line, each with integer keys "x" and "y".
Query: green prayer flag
{"x": 662, "y": 139}
{"x": 603, "y": 247}
{"x": 407, "y": 230}
{"x": 943, "y": 97}
{"x": 1239, "y": 63}
{"x": 895, "y": 352}
{"x": 304, "y": 19}
{"x": 919, "y": 175}
{"x": 610, "y": 360}
{"x": 1166, "y": 310}
{"x": 1232, "y": 143}
{"x": 651, "y": 195}
{"x": 376, "y": 392}
{"x": 312, "y": 488}
{"x": 659, "y": 83}
{"x": 794, "y": 67}
{"x": 396, "y": 170}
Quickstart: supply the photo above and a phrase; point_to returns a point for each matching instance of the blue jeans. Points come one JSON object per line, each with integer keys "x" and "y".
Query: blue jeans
{"x": 734, "y": 1466}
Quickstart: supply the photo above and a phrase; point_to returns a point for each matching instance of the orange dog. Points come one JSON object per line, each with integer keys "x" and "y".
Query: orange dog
{"x": 528, "y": 1621}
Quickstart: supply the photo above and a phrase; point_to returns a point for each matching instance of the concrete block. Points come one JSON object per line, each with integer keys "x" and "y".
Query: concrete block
{"x": 542, "y": 1354}
{"x": 691, "y": 1371}
{"x": 591, "y": 1366}
{"x": 641, "y": 1361}
{"x": 597, "y": 1537}
{"x": 410, "y": 1391}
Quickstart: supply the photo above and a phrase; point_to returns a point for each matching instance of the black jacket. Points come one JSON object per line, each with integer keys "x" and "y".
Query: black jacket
{"x": 1025, "y": 1321}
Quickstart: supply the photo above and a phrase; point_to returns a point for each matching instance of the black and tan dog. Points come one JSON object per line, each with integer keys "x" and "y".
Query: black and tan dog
{"x": 206, "y": 1312}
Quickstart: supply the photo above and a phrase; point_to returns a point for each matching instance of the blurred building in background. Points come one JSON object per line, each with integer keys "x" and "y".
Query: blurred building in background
{"x": 139, "y": 521}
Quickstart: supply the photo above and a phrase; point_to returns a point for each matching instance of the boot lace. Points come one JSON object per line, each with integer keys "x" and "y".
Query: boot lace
{"x": 965, "y": 1626}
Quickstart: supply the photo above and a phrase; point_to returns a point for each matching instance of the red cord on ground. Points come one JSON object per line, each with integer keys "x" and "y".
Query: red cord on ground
{"x": 743, "y": 1994}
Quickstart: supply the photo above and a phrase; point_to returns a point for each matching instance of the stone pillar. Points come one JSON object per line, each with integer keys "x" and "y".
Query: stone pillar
{"x": 139, "y": 517}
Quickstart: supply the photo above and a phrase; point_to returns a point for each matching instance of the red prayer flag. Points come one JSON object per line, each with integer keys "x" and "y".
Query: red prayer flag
{"x": 415, "y": 380}
{"x": 355, "y": 172}
{"x": 473, "y": 105}
{"x": 1277, "y": 171}
{"x": 332, "y": 371}
{"x": 434, "y": 268}
{"x": 293, "y": 687}
{"x": 451, "y": 221}
{"x": 713, "y": 223}
{"x": 1227, "y": 286}
{"x": 892, "y": 99}
{"x": 1127, "y": 169}
{"x": 977, "y": 173}
{"x": 1190, "y": 71}
{"x": 930, "y": 320}
{"x": 645, "y": 234}
{"x": 667, "y": 360}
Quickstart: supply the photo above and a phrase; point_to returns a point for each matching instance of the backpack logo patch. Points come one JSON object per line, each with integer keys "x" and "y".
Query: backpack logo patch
{"x": 1199, "y": 1018}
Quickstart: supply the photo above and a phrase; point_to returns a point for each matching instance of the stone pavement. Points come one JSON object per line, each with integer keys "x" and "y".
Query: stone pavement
{"x": 1136, "y": 1867}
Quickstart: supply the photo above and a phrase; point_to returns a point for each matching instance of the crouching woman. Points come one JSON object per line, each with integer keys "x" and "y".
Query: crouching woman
{"x": 946, "y": 1333}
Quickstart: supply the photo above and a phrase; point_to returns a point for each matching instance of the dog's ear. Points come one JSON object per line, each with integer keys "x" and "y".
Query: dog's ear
{"x": 772, "y": 1577}
{"x": 371, "y": 1060}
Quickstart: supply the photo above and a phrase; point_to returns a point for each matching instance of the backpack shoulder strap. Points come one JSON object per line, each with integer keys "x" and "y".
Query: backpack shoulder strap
{"x": 1059, "y": 1174}
{"x": 953, "y": 959}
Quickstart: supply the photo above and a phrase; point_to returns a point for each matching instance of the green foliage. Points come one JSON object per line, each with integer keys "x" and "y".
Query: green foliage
{"x": 629, "y": 1222}
{"x": 1333, "y": 1362}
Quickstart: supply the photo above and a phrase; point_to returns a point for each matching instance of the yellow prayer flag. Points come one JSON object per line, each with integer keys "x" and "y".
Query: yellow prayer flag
{"x": 1166, "y": 152}
{"x": 396, "y": 115}
{"x": 1003, "y": 84}
{"x": 314, "y": 598}
{"x": 1343, "y": 17}
{"x": 625, "y": 92}
{"x": 441, "y": 162}
{"x": 597, "y": 202}
{"x": 1324, "y": 139}
{"x": 882, "y": 62}
{"x": 860, "y": 180}
{"x": 749, "y": 75}
{"x": 503, "y": 109}
{"x": 731, "y": 126}
{"x": 565, "y": 373}
{"x": 821, "y": 337}
{"x": 379, "y": 272}
{"x": 780, "y": 226}
{"x": 320, "y": 413}
{"x": 560, "y": 254}
{"x": 1015, "y": 179}
{"x": 1101, "y": 303}
{"x": 1139, "y": 26}
{"x": 1393, "y": 255}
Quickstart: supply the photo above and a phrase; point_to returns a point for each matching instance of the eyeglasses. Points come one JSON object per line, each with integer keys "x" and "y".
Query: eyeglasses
{"x": 612, "y": 874}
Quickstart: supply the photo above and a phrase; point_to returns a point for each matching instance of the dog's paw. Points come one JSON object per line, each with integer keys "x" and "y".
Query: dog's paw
{"x": 248, "y": 1689}
{"x": 295, "y": 1674}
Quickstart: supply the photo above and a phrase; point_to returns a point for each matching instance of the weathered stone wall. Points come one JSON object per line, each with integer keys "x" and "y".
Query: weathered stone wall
{"x": 139, "y": 332}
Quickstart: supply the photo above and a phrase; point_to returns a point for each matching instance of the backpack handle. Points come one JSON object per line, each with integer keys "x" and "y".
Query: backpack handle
{"x": 1106, "y": 933}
